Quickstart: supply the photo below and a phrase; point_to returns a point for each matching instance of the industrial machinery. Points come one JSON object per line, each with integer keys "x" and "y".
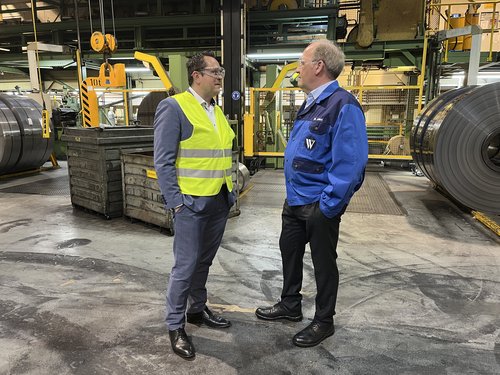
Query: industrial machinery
{"x": 62, "y": 117}
{"x": 389, "y": 109}
{"x": 267, "y": 123}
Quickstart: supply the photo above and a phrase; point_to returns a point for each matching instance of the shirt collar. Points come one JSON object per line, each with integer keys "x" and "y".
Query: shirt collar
{"x": 200, "y": 100}
{"x": 314, "y": 94}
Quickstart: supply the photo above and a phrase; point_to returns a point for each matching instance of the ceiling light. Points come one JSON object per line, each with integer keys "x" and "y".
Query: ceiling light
{"x": 136, "y": 70}
{"x": 274, "y": 56}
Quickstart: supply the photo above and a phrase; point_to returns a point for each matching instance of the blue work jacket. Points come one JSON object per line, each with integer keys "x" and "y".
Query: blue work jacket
{"x": 327, "y": 152}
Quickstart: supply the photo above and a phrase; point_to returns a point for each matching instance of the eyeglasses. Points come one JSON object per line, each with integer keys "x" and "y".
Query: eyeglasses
{"x": 218, "y": 73}
{"x": 302, "y": 62}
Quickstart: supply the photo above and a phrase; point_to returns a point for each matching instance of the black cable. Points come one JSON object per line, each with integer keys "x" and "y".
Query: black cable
{"x": 90, "y": 17}
{"x": 113, "y": 18}
{"x": 77, "y": 18}
{"x": 101, "y": 11}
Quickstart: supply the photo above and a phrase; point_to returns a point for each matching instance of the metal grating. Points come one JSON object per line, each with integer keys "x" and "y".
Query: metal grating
{"x": 48, "y": 186}
{"x": 374, "y": 197}
{"x": 267, "y": 188}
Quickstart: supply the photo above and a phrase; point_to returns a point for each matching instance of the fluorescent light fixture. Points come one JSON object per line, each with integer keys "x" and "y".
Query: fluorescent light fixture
{"x": 4, "y": 49}
{"x": 122, "y": 58}
{"x": 136, "y": 70}
{"x": 139, "y": 92}
{"x": 274, "y": 56}
{"x": 483, "y": 75}
{"x": 402, "y": 69}
{"x": 489, "y": 76}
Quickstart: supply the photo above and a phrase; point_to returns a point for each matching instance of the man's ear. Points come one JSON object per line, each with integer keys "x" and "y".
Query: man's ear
{"x": 320, "y": 66}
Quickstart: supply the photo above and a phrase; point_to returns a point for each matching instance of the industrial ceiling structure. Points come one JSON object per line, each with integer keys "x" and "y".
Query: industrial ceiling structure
{"x": 276, "y": 31}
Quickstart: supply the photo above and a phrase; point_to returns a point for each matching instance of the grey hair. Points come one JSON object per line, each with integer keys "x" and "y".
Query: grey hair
{"x": 332, "y": 56}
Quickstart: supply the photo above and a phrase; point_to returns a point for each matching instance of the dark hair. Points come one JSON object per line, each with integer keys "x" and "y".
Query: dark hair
{"x": 197, "y": 63}
{"x": 173, "y": 90}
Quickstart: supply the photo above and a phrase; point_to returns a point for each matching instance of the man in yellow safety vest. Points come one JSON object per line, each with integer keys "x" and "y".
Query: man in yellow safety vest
{"x": 192, "y": 154}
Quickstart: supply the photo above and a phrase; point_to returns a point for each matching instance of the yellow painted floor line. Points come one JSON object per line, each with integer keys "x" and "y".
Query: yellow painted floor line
{"x": 487, "y": 222}
{"x": 246, "y": 190}
{"x": 232, "y": 308}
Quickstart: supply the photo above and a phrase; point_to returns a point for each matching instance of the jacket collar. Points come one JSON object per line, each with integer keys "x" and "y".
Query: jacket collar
{"x": 327, "y": 92}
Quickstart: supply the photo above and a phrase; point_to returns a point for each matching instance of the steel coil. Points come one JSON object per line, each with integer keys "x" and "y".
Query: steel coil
{"x": 22, "y": 146}
{"x": 147, "y": 108}
{"x": 456, "y": 144}
{"x": 243, "y": 177}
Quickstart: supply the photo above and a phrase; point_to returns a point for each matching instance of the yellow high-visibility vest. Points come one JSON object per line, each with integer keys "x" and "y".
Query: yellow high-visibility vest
{"x": 204, "y": 160}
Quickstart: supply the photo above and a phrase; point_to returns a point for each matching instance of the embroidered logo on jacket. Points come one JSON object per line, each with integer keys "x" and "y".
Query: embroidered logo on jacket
{"x": 310, "y": 142}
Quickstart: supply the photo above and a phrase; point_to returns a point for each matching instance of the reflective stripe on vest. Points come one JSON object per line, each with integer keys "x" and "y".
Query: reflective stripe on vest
{"x": 203, "y": 153}
{"x": 204, "y": 160}
{"x": 197, "y": 173}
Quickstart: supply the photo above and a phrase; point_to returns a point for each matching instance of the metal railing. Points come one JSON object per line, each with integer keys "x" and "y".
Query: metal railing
{"x": 440, "y": 16}
{"x": 389, "y": 112}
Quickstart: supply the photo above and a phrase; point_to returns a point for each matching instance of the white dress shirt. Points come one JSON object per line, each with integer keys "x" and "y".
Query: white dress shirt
{"x": 209, "y": 107}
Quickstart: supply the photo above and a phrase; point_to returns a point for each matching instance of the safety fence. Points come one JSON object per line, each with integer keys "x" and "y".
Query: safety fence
{"x": 389, "y": 112}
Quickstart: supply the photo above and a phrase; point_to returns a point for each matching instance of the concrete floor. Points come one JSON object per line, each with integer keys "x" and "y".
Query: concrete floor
{"x": 419, "y": 293}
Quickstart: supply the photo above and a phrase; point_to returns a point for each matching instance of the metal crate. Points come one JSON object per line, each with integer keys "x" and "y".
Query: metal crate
{"x": 142, "y": 198}
{"x": 94, "y": 165}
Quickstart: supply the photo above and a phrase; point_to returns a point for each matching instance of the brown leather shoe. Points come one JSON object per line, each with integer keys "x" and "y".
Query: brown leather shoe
{"x": 207, "y": 318}
{"x": 313, "y": 334}
{"x": 181, "y": 345}
{"x": 278, "y": 311}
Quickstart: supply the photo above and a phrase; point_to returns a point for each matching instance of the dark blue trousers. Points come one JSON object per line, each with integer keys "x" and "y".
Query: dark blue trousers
{"x": 199, "y": 226}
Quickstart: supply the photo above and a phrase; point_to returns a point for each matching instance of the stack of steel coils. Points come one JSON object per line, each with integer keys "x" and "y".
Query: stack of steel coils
{"x": 22, "y": 146}
{"x": 456, "y": 144}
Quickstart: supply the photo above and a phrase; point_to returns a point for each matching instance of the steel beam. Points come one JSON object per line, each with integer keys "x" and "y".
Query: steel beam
{"x": 232, "y": 57}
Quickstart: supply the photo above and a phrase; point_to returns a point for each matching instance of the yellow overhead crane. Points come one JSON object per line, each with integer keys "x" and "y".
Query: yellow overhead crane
{"x": 110, "y": 76}
{"x": 156, "y": 65}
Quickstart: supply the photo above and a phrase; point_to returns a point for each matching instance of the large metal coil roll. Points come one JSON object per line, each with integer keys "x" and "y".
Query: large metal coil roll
{"x": 147, "y": 108}
{"x": 456, "y": 144}
{"x": 243, "y": 177}
{"x": 22, "y": 146}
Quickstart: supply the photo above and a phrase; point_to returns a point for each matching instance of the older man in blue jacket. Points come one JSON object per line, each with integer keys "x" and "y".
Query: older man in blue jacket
{"x": 325, "y": 161}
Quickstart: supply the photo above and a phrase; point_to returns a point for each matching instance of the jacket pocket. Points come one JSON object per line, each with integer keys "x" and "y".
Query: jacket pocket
{"x": 307, "y": 166}
{"x": 319, "y": 127}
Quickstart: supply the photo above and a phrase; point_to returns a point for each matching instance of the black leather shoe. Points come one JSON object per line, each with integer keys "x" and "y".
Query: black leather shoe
{"x": 276, "y": 312}
{"x": 208, "y": 318}
{"x": 313, "y": 334}
{"x": 181, "y": 345}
